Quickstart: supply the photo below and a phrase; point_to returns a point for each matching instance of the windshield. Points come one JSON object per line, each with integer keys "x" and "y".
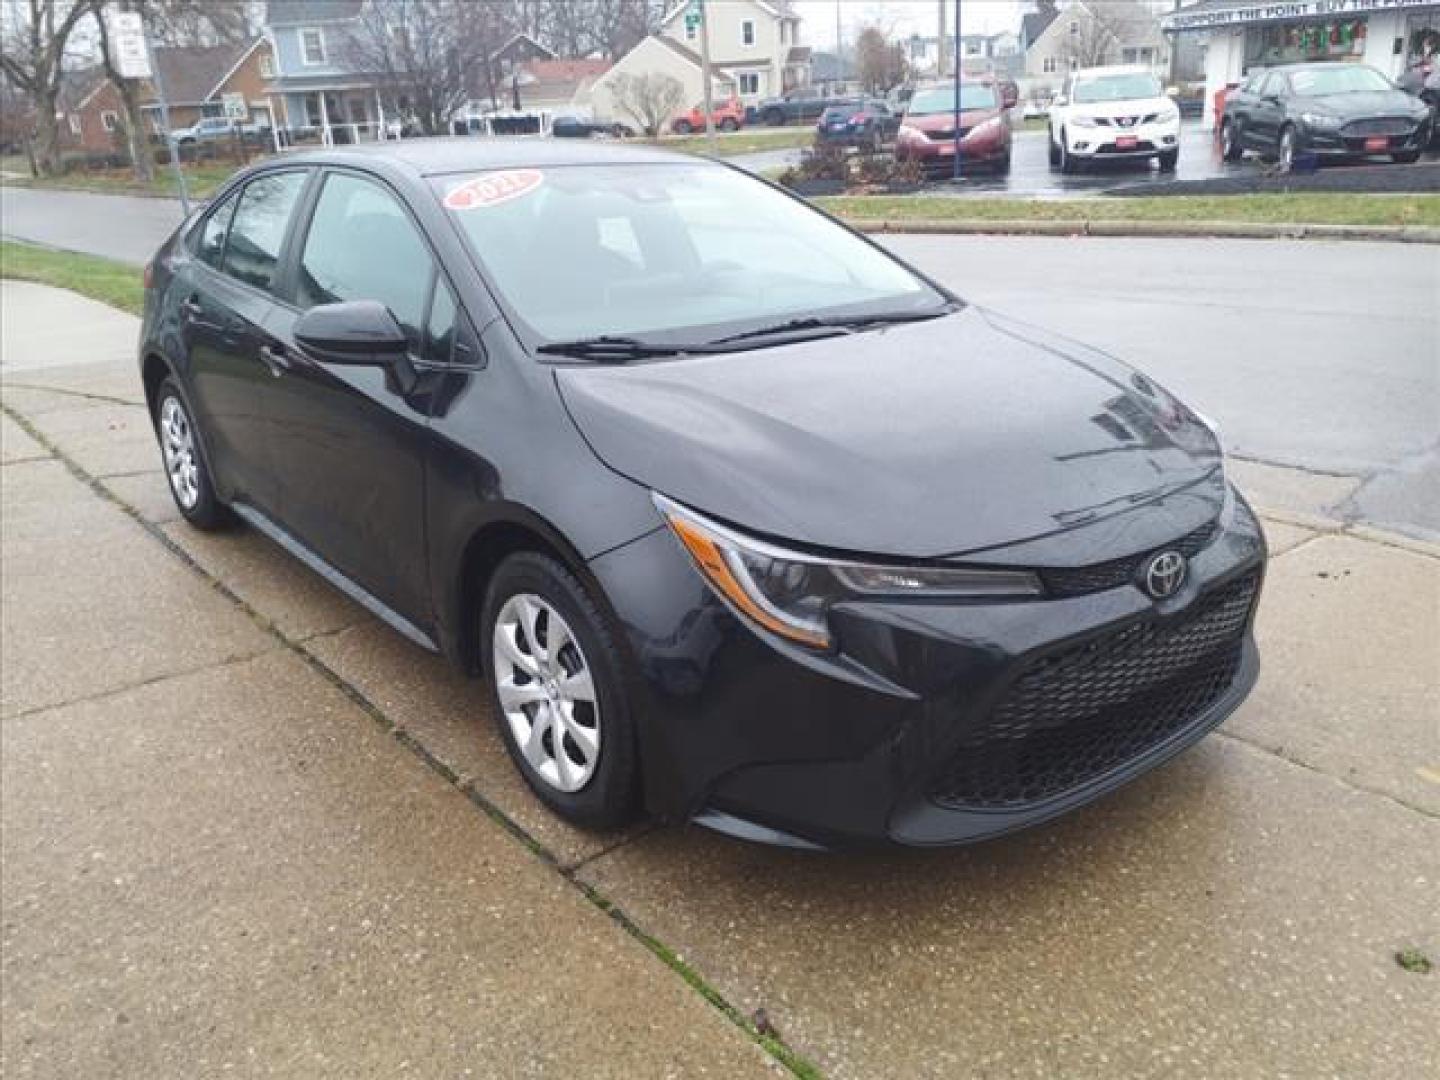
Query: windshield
{"x": 666, "y": 253}
{"x": 1340, "y": 79}
{"x": 941, "y": 99}
{"x": 1116, "y": 88}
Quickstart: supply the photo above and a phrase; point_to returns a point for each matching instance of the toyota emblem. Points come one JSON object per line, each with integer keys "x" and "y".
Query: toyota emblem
{"x": 1165, "y": 574}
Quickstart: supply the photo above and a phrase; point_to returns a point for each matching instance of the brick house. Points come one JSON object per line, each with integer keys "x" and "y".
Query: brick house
{"x": 198, "y": 82}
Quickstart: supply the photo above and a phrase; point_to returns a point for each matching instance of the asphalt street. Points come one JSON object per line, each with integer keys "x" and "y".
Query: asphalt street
{"x": 1318, "y": 356}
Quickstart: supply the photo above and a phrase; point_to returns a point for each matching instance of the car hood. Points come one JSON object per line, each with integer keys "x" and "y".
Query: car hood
{"x": 1110, "y": 109}
{"x": 918, "y": 440}
{"x": 945, "y": 121}
{"x": 1370, "y": 103}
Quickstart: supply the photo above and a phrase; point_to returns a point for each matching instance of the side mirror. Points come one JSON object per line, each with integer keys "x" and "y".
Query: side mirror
{"x": 353, "y": 332}
{"x": 1172, "y": 91}
{"x": 1009, "y": 95}
{"x": 1057, "y": 100}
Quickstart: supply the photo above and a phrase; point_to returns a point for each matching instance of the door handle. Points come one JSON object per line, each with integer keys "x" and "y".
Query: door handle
{"x": 190, "y": 308}
{"x": 275, "y": 359}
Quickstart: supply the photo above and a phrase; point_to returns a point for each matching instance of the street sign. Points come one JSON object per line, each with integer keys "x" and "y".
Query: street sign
{"x": 235, "y": 107}
{"x": 127, "y": 45}
{"x": 692, "y": 17}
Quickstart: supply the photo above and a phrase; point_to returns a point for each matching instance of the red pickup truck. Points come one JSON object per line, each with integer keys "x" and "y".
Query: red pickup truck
{"x": 727, "y": 116}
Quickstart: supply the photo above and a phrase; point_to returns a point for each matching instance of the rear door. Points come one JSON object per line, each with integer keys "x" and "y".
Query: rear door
{"x": 352, "y": 449}
{"x": 225, "y": 299}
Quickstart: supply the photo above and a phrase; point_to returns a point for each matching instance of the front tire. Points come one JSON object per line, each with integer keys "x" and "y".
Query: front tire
{"x": 1289, "y": 143}
{"x": 1230, "y": 149}
{"x": 1054, "y": 149}
{"x": 1407, "y": 157}
{"x": 729, "y": 125}
{"x": 1068, "y": 165}
{"x": 1168, "y": 160}
{"x": 186, "y": 469}
{"x": 558, "y": 691}
{"x": 681, "y": 127}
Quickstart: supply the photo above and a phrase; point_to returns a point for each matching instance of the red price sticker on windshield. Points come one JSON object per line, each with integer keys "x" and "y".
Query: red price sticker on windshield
{"x": 494, "y": 188}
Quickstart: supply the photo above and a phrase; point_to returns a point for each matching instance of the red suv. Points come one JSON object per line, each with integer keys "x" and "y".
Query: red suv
{"x": 927, "y": 133}
{"x": 728, "y": 116}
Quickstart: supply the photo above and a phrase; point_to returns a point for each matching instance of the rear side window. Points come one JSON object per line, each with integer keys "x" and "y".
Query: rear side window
{"x": 210, "y": 243}
{"x": 258, "y": 230}
{"x": 362, "y": 245}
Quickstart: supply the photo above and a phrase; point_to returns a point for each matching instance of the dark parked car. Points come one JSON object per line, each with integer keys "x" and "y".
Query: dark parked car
{"x": 866, "y": 123}
{"x": 745, "y": 521}
{"x": 582, "y": 127}
{"x": 1329, "y": 110}
{"x": 796, "y": 107}
{"x": 927, "y": 132}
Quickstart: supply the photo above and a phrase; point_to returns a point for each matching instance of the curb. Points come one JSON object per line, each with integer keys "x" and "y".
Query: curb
{"x": 1327, "y": 526}
{"x": 75, "y": 189}
{"x": 1227, "y": 230}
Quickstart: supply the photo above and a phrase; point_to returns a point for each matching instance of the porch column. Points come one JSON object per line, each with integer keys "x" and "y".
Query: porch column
{"x": 324, "y": 121}
{"x": 380, "y": 115}
{"x": 275, "y": 122}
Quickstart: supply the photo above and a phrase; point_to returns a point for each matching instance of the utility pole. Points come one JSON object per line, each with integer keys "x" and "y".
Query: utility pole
{"x": 164, "y": 103}
{"x": 705, "y": 74}
{"x": 941, "y": 40}
{"x": 959, "y": 63}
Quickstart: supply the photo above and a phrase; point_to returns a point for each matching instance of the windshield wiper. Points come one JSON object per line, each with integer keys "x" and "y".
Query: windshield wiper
{"x": 839, "y": 325}
{"x": 608, "y": 348}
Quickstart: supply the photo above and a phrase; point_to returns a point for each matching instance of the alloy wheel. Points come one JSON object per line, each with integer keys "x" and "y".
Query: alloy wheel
{"x": 177, "y": 446}
{"x": 546, "y": 691}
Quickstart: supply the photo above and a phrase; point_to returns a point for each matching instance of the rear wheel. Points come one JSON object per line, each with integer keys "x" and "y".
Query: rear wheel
{"x": 774, "y": 117}
{"x": 1230, "y": 149}
{"x": 557, "y": 690}
{"x": 185, "y": 467}
{"x": 681, "y": 127}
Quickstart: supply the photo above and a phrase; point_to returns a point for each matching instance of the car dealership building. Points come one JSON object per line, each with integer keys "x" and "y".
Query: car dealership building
{"x": 1240, "y": 35}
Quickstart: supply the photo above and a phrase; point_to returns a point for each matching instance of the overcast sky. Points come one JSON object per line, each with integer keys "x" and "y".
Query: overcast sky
{"x": 903, "y": 17}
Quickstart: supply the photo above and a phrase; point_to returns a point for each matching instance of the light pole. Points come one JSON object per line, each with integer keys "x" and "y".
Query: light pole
{"x": 959, "y": 63}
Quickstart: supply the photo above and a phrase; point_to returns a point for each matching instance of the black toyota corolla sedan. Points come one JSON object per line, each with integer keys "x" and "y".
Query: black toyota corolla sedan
{"x": 744, "y": 521}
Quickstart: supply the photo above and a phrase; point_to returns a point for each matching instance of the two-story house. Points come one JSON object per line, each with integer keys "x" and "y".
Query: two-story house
{"x": 1094, "y": 34}
{"x": 317, "y": 77}
{"x": 755, "y": 42}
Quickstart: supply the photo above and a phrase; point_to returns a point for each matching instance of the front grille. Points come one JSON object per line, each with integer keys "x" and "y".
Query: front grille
{"x": 946, "y": 136}
{"x": 1075, "y": 716}
{"x": 1077, "y": 581}
{"x": 1393, "y": 125}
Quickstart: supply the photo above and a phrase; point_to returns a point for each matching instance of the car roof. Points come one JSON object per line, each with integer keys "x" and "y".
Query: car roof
{"x": 1313, "y": 65}
{"x": 438, "y": 156}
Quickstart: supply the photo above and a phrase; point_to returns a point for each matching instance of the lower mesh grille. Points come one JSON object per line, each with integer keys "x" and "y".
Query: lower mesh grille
{"x": 1075, "y": 716}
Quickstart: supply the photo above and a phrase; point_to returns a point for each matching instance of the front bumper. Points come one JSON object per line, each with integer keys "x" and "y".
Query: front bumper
{"x": 1113, "y": 143}
{"x": 933, "y": 723}
{"x": 1325, "y": 142}
{"x": 976, "y": 148}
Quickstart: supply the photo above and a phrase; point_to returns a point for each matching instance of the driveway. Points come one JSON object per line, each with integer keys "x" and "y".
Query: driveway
{"x": 248, "y": 829}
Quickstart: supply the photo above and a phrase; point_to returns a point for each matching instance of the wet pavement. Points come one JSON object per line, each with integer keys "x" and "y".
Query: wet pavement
{"x": 271, "y": 837}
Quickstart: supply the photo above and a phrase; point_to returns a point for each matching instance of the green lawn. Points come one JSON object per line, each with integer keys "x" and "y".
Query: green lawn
{"x": 201, "y": 179}
{"x": 110, "y": 282}
{"x": 1313, "y": 209}
{"x": 748, "y": 141}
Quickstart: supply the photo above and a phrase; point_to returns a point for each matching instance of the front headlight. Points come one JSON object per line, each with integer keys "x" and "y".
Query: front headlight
{"x": 988, "y": 125}
{"x": 908, "y": 133}
{"x": 1083, "y": 121}
{"x": 1321, "y": 120}
{"x": 790, "y": 592}
{"x": 1168, "y": 114}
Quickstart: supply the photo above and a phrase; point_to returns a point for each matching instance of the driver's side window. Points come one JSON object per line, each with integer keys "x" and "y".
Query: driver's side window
{"x": 209, "y": 243}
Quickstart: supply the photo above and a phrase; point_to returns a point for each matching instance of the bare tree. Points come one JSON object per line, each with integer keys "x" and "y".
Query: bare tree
{"x": 581, "y": 27}
{"x": 36, "y": 35}
{"x": 177, "y": 23}
{"x": 429, "y": 56}
{"x": 880, "y": 64}
{"x": 1094, "y": 33}
{"x": 650, "y": 99}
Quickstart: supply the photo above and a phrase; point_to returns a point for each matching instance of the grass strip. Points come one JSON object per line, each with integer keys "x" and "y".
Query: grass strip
{"x": 1277, "y": 209}
{"x": 115, "y": 283}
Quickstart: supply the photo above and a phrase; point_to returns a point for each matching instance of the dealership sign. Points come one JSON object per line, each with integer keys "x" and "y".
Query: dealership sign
{"x": 1284, "y": 11}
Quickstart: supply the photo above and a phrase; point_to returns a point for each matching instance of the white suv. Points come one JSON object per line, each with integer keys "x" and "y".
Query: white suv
{"x": 1110, "y": 113}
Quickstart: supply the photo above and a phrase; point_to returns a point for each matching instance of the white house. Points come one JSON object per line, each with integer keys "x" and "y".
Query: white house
{"x": 1092, "y": 33}
{"x": 657, "y": 55}
{"x": 755, "y": 41}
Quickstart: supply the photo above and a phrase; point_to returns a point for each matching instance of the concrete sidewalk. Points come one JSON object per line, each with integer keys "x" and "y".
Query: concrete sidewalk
{"x": 244, "y": 825}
